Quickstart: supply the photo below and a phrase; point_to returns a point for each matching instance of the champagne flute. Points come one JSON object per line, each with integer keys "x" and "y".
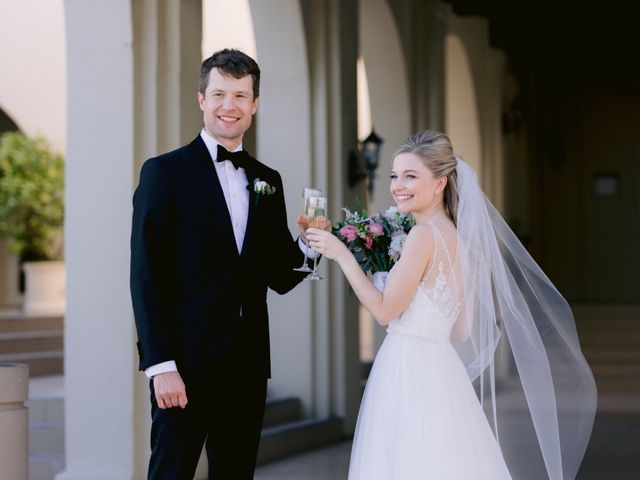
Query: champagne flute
{"x": 306, "y": 194}
{"x": 317, "y": 217}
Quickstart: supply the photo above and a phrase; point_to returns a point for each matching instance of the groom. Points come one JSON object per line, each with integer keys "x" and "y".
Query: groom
{"x": 206, "y": 244}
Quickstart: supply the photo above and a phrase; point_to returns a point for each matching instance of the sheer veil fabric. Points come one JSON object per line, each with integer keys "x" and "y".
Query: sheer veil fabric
{"x": 513, "y": 312}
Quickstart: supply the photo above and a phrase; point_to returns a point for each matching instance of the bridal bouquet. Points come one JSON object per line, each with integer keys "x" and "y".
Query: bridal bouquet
{"x": 375, "y": 240}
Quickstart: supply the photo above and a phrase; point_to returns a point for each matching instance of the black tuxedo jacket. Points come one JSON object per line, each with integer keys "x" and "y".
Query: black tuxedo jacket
{"x": 188, "y": 282}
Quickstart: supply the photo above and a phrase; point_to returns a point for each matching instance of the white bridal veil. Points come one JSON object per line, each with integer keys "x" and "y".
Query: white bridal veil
{"x": 515, "y": 316}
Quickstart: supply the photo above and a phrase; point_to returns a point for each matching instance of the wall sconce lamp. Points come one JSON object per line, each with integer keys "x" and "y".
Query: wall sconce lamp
{"x": 369, "y": 155}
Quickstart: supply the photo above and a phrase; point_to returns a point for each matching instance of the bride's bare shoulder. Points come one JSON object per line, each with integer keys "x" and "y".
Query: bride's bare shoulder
{"x": 421, "y": 230}
{"x": 420, "y": 241}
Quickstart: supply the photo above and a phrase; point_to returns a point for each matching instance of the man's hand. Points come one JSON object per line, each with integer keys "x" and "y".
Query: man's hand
{"x": 170, "y": 390}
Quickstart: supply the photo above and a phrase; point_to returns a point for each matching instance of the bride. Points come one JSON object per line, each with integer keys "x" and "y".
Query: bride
{"x": 464, "y": 283}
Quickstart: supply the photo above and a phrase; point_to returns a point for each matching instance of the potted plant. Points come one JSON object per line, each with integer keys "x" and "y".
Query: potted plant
{"x": 31, "y": 217}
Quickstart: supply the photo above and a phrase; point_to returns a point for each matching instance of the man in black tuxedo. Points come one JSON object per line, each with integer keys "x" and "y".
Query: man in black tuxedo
{"x": 205, "y": 246}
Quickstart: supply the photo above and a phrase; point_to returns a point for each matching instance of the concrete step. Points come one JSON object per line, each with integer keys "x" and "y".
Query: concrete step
{"x": 618, "y": 386}
{"x": 605, "y": 311}
{"x": 15, "y": 323}
{"x": 46, "y": 427}
{"x": 40, "y": 363}
{"x": 45, "y": 467}
{"x": 284, "y": 432}
{"x": 46, "y": 411}
{"x": 603, "y": 325}
{"x": 290, "y": 438}
{"x": 46, "y": 439}
{"x": 282, "y": 410}
{"x": 630, "y": 372}
{"x": 610, "y": 340}
{"x": 31, "y": 341}
{"x": 36, "y": 341}
{"x": 612, "y": 355}
{"x": 630, "y": 340}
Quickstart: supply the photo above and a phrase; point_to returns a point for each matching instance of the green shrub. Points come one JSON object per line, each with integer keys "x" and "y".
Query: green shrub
{"x": 31, "y": 195}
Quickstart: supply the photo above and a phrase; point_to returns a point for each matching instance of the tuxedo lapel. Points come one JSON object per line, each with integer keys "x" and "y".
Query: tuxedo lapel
{"x": 252, "y": 175}
{"x": 215, "y": 196}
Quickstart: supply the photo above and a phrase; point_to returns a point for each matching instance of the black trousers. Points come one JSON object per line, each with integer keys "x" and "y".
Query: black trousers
{"x": 224, "y": 414}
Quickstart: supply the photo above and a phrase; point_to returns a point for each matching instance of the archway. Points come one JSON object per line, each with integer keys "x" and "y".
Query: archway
{"x": 280, "y": 138}
{"x": 9, "y": 265}
{"x": 461, "y": 106}
{"x": 383, "y": 105}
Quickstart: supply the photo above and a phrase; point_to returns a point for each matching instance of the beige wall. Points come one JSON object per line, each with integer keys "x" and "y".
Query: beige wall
{"x": 388, "y": 85}
{"x": 100, "y": 363}
{"x": 283, "y": 139}
{"x": 33, "y": 59}
{"x": 227, "y": 24}
{"x": 585, "y": 242}
{"x": 389, "y": 110}
{"x": 461, "y": 105}
{"x": 32, "y": 91}
{"x": 484, "y": 65}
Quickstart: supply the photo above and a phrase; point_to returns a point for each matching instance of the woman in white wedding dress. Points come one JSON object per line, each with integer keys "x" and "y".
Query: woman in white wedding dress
{"x": 461, "y": 279}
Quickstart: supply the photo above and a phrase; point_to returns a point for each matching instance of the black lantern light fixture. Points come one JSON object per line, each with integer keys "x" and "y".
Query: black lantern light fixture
{"x": 369, "y": 156}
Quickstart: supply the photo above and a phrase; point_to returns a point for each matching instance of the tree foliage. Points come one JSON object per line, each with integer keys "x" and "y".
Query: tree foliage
{"x": 31, "y": 195}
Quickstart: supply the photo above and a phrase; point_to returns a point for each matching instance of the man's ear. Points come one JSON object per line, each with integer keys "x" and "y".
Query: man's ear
{"x": 255, "y": 105}
{"x": 201, "y": 101}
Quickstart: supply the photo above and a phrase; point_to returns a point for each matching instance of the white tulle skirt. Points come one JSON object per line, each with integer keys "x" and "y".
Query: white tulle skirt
{"x": 421, "y": 419}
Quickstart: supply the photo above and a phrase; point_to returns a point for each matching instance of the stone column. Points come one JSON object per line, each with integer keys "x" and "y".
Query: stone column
{"x": 14, "y": 420}
{"x": 131, "y": 66}
{"x": 99, "y": 335}
{"x": 283, "y": 140}
{"x": 332, "y": 41}
{"x": 423, "y": 27}
{"x": 166, "y": 58}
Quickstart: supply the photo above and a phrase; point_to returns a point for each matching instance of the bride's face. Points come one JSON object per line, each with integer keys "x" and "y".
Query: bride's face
{"x": 413, "y": 186}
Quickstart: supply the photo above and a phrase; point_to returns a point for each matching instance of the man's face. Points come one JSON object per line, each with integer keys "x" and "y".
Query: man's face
{"x": 228, "y": 106}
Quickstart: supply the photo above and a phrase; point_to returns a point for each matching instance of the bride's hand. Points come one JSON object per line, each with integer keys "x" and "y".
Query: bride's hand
{"x": 303, "y": 223}
{"x": 326, "y": 244}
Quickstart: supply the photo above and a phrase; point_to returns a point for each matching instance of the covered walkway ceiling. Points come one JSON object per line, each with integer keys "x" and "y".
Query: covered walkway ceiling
{"x": 566, "y": 43}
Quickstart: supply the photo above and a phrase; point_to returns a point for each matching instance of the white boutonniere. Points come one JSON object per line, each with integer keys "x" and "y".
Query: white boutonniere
{"x": 261, "y": 187}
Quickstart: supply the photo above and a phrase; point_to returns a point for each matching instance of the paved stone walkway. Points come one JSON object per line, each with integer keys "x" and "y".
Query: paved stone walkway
{"x": 613, "y": 454}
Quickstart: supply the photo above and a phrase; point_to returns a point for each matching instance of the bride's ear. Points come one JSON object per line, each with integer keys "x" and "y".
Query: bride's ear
{"x": 442, "y": 183}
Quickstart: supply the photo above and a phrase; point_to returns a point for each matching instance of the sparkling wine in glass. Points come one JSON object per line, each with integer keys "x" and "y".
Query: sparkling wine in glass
{"x": 306, "y": 194}
{"x": 316, "y": 213}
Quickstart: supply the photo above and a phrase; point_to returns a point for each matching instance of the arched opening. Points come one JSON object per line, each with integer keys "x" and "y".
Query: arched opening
{"x": 9, "y": 265}
{"x": 383, "y": 105}
{"x": 6, "y": 123}
{"x": 279, "y": 137}
{"x": 461, "y": 107}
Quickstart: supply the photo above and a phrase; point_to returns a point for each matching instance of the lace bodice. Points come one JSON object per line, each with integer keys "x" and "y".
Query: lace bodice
{"x": 438, "y": 300}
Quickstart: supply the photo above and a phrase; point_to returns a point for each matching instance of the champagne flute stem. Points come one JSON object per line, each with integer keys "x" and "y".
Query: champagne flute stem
{"x": 315, "y": 263}
{"x": 306, "y": 251}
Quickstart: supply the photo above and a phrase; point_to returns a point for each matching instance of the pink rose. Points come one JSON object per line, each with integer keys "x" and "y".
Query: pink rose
{"x": 349, "y": 233}
{"x": 368, "y": 242}
{"x": 376, "y": 229}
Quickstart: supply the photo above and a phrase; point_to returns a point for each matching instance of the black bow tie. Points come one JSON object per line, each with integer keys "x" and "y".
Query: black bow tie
{"x": 239, "y": 159}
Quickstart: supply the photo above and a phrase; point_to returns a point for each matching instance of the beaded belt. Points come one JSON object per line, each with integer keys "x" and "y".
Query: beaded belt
{"x": 418, "y": 337}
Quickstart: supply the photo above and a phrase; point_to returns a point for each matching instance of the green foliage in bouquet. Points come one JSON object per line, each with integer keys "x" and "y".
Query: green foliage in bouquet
{"x": 375, "y": 240}
{"x": 31, "y": 195}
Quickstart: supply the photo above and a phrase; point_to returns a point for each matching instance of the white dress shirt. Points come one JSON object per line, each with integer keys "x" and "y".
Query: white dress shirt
{"x": 234, "y": 187}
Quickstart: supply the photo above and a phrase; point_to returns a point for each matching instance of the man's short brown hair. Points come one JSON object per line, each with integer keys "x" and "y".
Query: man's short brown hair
{"x": 230, "y": 62}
